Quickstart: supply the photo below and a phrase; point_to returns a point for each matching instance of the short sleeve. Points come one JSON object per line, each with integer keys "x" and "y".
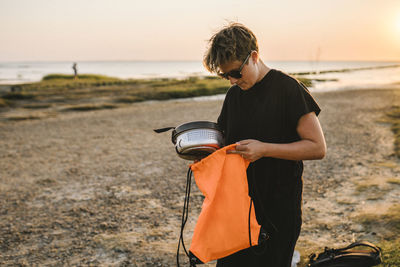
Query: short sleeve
{"x": 300, "y": 102}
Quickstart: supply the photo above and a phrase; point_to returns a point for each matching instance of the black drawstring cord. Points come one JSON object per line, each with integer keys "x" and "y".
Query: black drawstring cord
{"x": 251, "y": 202}
{"x": 262, "y": 238}
{"x": 185, "y": 214}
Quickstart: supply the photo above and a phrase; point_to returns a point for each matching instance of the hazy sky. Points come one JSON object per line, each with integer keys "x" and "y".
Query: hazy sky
{"x": 77, "y": 30}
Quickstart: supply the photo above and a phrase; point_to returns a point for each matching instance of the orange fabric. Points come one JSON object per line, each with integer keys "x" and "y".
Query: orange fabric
{"x": 222, "y": 227}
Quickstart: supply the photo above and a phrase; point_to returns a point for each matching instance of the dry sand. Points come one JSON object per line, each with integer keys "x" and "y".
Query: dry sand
{"x": 100, "y": 188}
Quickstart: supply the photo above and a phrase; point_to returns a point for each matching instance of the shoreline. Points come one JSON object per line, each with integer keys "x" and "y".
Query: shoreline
{"x": 100, "y": 188}
{"x": 200, "y": 72}
{"x": 57, "y": 94}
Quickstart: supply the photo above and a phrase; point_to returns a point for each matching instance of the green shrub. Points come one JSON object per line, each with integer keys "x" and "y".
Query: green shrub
{"x": 80, "y": 77}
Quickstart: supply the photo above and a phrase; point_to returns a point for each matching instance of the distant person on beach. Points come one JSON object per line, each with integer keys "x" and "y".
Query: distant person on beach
{"x": 272, "y": 118}
{"x": 74, "y": 67}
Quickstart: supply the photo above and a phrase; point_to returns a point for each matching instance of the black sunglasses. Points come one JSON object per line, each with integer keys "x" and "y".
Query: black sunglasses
{"x": 237, "y": 74}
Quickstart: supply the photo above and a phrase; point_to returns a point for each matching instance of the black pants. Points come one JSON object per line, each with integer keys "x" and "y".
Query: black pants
{"x": 275, "y": 252}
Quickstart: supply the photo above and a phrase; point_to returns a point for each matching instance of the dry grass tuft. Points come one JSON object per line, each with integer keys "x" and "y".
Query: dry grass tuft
{"x": 388, "y": 223}
{"x": 393, "y": 180}
{"x": 386, "y": 164}
{"x": 373, "y": 188}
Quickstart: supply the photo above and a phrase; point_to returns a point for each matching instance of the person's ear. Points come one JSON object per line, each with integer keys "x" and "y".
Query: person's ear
{"x": 254, "y": 56}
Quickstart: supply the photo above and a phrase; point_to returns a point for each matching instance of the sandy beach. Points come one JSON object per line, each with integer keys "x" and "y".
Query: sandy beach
{"x": 100, "y": 188}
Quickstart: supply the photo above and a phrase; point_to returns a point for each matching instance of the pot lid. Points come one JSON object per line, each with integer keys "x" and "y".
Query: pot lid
{"x": 194, "y": 125}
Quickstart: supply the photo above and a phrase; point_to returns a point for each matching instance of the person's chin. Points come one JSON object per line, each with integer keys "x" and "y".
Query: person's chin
{"x": 243, "y": 86}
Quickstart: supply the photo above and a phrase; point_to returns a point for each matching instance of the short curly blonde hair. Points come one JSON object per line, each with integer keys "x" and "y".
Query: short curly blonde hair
{"x": 233, "y": 42}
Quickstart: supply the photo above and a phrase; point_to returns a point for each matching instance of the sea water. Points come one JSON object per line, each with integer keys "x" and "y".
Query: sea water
{"x": 373, "y": 77}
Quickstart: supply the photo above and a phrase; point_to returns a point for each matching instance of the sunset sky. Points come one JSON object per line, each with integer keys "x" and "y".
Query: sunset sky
{"x": 55, "y": 30}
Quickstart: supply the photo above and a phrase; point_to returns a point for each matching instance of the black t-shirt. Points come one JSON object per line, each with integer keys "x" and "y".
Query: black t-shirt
{"x": 269, "y": 112}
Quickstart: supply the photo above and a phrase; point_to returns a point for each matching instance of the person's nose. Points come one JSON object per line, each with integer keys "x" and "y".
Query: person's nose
{"x": 232, "y": 80}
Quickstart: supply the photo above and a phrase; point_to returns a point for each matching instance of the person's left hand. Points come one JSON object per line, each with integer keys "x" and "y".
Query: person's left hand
{"x": 249, "y": 149}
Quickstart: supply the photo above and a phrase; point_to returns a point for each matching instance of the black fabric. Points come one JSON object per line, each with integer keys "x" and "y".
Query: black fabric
{"x": 269, "y": 112}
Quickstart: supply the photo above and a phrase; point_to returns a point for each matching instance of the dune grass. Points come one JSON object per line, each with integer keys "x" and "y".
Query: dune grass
{"x": 94, "y": 92}
{"x": 97, "y": 85}
{"x": 64, "y": 88}
{"x": 52, "y": 77}
{"x": 62, "y": 82}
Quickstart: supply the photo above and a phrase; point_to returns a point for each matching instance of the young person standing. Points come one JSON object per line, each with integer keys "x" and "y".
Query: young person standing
{"x": 272, "y": 118}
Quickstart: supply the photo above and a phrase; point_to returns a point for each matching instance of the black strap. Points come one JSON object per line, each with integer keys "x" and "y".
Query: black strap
{"x": 251, "y": 202}
{"x": 362, "y": 243}
{"x": 185, "y": 214}
{"x": 262, "y": 237}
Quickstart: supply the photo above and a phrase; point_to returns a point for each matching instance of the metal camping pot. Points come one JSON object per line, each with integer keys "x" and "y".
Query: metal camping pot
{"x": 196, "y": 140}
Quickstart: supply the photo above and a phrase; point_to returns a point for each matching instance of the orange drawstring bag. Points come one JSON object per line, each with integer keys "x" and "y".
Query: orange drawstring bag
{"x": 223, "y": 224}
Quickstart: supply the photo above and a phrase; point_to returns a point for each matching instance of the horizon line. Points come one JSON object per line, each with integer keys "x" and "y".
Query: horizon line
{"x": 193, "y": 60}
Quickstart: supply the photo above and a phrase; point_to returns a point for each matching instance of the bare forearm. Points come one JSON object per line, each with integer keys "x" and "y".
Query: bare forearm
{"x": 310, "y": 146}
{"x": 300, "y": 150}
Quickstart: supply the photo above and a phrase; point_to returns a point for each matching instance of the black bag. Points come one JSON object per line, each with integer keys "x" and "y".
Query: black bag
{"x": 347, "y": 257}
